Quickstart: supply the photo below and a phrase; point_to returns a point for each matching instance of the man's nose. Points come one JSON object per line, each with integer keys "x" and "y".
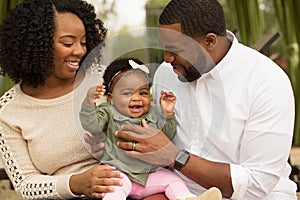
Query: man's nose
{"x": 169, "y": 57}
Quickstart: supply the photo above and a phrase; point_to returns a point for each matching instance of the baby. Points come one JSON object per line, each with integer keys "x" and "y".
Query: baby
{"x": 127, "y": 88}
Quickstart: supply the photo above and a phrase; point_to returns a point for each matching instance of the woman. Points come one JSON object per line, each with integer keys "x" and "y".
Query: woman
{"x": 42, "y": 45}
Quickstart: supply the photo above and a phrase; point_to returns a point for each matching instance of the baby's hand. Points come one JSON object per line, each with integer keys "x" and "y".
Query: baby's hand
{"x": 93, "y": 94}
{"x": 167, "y": 102}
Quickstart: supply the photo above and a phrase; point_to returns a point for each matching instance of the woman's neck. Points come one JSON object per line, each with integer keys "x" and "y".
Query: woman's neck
{"x": 51, "y": 89}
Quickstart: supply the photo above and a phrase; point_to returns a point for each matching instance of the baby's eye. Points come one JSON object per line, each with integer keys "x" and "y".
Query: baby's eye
{"x": 144, "y": 93}
{"x": 83, "y": 43}
{"x": 126, "y": 93}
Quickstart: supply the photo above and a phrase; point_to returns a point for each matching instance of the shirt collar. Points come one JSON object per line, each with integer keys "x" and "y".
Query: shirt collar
{"x": 214, "y": 72}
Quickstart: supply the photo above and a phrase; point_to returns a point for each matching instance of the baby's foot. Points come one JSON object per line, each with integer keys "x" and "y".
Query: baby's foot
{"x": 212, "y": 193}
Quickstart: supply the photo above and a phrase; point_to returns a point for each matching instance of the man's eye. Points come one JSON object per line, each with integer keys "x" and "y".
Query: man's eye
{"x": 177, "y": 52}
{"x": 174, "y": 51}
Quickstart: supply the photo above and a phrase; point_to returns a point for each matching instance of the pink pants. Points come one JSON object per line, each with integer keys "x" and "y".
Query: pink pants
{"x": 161, "y": 181}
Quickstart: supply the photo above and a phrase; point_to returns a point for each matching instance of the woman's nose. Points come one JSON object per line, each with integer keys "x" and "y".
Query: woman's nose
{"x": 79, "y": 49}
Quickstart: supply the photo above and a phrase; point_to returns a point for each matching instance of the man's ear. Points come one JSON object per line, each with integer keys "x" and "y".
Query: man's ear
{"x": 210, "y": 41}
{"x": 109, "y": 98}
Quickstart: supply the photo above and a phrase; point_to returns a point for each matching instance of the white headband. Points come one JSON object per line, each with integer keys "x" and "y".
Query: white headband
{"x": 142, "y": 67}
{"x": 134, "y": 65}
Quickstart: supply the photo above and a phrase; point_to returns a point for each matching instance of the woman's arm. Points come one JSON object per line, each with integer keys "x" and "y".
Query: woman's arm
{"x": 31, "y": 183}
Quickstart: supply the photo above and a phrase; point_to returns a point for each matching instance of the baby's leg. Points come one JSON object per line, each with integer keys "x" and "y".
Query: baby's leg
{"x": 121, "y": 192}
{"x": 161, "y": 181}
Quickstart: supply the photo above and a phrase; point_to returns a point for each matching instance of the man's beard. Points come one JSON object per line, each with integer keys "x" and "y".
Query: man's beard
{"x": 203, "y": 65}
{"x": 190, "y": 75}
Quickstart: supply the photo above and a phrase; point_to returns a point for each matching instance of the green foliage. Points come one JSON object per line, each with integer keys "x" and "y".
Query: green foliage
{"x": 288, "y": 19}
{"x": 153, "y": 10}
{"x": 248, "y": 18}
{"x": 296, "y": 18}
{"x": 157, "y": 1}
{"x": 5, "y": 6}
{"x": 107, "y": 8}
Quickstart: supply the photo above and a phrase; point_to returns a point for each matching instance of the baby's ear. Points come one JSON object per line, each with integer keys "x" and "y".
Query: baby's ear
{"x": 109, "y": 98}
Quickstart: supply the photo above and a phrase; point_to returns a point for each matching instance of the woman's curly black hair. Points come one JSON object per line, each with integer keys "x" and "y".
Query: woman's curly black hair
{"x": 26, "y": 37}
{"x": 197, "y": 17}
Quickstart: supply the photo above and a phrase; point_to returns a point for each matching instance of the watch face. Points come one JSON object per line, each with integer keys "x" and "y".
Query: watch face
{"x": 181, "y": 159}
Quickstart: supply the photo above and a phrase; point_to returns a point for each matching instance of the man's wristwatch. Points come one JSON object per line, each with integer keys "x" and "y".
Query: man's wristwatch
{"x": 181, "y": 159}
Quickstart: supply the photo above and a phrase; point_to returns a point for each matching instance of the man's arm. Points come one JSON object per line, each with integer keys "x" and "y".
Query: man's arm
{"x": 154, "y": 147}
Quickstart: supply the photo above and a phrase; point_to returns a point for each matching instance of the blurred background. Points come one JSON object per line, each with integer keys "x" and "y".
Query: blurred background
{"x": 270, "y": 26}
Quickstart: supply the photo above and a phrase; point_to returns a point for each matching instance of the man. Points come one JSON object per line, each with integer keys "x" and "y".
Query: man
{"x": 235, "y": 109}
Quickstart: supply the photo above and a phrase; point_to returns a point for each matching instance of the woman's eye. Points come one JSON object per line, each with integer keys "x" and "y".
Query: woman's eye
{"x": 67, "y": 44}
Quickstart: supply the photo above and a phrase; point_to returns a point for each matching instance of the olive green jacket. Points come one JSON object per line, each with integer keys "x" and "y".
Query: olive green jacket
{"x": 106, "y": 120}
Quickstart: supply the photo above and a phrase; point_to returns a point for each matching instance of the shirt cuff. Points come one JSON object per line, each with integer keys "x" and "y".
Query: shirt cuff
{"x": 63, "y": 188}
{"x": 239, "y": 178}
{"x": 87, "y": 109}
{"x": 170, "y": 117}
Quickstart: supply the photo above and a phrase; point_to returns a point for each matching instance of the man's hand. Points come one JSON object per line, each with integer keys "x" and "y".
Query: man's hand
{"x": 152, "y": 145}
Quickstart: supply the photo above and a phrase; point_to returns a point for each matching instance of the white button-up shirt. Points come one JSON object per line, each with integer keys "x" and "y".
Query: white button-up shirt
{"x": 241, "y": 113}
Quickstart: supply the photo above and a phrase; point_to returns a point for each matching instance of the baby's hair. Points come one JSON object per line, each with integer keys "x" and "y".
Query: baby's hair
{"x": 117, "y": 67}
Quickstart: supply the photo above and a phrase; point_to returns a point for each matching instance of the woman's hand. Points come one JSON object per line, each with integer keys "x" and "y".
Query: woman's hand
{"x": 152, "y": 145}
{"x": 95, "y": 182}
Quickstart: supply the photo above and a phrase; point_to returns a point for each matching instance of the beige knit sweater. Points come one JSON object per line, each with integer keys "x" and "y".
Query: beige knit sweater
{"x": 41, "y": 143}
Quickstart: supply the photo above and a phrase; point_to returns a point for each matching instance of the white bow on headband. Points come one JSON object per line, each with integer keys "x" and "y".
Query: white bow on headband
{"x": 134, "y": 65}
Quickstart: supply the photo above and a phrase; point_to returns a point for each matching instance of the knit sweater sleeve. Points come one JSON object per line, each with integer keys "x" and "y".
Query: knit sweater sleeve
{"x": 26, "y": 179}
{"x": 36, "y": 155}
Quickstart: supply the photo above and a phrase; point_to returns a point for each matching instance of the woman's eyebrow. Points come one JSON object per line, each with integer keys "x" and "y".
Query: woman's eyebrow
{"x": 70, "y": 36}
